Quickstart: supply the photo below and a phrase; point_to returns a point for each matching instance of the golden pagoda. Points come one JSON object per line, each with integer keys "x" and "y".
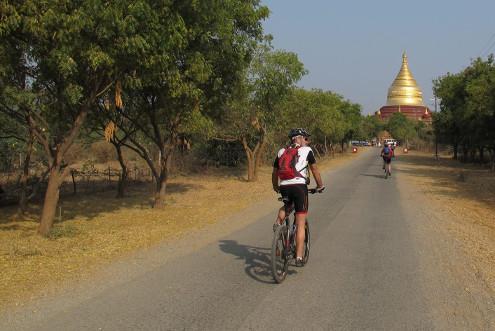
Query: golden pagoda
{"x": 405, "y": 96}
{"x": 404, "y": 90}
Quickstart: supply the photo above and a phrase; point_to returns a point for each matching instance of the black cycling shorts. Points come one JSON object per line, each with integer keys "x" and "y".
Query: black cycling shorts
{"x": 387, "y": 159}
{"x": 297, "y": 195}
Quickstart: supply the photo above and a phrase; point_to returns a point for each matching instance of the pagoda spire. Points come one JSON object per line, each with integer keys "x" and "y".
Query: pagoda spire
{"x": 404, "y": 89}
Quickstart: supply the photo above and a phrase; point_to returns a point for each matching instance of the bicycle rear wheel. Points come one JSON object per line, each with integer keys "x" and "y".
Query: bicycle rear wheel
{"x": 280, "y": 262}
{"x": 307, "y": 243}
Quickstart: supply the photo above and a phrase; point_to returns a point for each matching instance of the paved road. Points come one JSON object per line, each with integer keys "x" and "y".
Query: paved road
{"x": 366, "y": 271}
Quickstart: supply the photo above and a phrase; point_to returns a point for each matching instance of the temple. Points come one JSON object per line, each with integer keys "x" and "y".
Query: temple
{"x": 405, "y": 96}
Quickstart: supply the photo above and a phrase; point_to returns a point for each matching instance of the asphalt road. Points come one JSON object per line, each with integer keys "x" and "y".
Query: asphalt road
{"x": 367, "y": 271}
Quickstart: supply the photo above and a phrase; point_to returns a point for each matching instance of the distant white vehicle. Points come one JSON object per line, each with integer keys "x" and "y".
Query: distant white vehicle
{"x": 392, "y": 142}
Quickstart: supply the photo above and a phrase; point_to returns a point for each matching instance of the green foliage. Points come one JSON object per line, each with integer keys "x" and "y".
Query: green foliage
{"x": 400, "y": 127}
{"x": 370, "y": 127}
{"x": 321, "y": 112}
{"x": 256, "y": 110}
{"x": 63, "y": 231}
{"x": 467, "y": 108}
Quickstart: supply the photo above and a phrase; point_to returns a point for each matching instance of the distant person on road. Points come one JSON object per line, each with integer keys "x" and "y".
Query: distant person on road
{"x": 387, "y": 154}
{"x": 291, "y": 168}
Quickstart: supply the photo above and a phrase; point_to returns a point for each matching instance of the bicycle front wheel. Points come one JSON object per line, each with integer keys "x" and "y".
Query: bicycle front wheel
{"x": 307, "y": 243}
{"x": 280, "y": 262}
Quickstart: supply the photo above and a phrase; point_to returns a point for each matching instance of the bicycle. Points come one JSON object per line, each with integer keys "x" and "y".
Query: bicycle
{"x": 284, "y": 242}
{"x": 387, "y": 172}
{"x": 386, "y": 168}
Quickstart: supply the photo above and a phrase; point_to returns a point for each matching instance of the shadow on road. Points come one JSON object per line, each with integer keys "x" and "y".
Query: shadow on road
{"x": 257, "y": 259}
{"x": 372, "y": 175}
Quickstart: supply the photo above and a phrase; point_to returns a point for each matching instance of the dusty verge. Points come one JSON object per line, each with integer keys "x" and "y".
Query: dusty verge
{"x": 459, "y": 203}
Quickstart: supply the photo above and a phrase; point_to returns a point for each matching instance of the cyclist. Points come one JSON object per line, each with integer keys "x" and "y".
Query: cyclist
{"x": 295, "y": 189}
{"x": 387, "y": 154}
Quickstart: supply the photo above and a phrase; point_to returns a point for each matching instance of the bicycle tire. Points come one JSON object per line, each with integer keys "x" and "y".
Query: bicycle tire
{"x": 307, "y": 243}
{"x": 280, "y": 261}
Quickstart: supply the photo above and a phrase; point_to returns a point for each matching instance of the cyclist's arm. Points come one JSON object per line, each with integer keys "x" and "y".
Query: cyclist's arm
{"x": 316, "y": 175}
{"x": 275, "y": 175}
{"x": 314, "y": 169}
{"x": 275, "y": 179}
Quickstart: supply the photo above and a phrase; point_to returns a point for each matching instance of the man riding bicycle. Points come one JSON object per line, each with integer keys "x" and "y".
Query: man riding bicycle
{"x": 291, "y": 167}
{"x": 387, "y": 154}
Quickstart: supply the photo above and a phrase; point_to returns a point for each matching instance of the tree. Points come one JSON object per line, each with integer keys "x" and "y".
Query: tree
{"x": 74, "y": 53}
{"x": 401, "y": 128}
{"x": 254, "y": 113}
{"x": 370, "y": 127}
{"x": 352, "y": 120}
{"x": 480, "y": 110}
{"x": 466, "y": 117}
{"x": 319, "y": 111}
{"x": 188, "y": 80}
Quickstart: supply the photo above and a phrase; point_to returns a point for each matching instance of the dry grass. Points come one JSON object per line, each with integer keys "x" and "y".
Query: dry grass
{"x": 465, "y": 195}
{"x": 97, "y": 229}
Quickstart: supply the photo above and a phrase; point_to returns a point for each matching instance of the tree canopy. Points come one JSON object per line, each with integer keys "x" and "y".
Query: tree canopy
{"x": 467, "y": 109}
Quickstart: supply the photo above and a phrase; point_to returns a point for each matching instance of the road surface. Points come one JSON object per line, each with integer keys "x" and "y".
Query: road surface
{"x": 374, "y": 265}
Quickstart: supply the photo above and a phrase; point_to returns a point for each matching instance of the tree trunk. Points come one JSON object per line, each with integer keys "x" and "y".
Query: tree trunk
{"x": 251, "y": 161}
{"x": 123, "y": 175}
{"x": 492, "y": 158}
{"x": 482, "y": 155}
{"x": 56, "y": 175}
{"x": 51, "y": 201}
{"x": 456, "y": 150}
{"x": 472, "y": 154}
{"x": 23, "y": 195}
{"x": 74, "y": 184}
{"x": 317, "y": 152}
{"x": 258, "y": 155}
{"x": 161, "y": 190}
{"x": 251, "y": 170}
{"x": 342, "y": 146}
{"x": 161, "y": 180}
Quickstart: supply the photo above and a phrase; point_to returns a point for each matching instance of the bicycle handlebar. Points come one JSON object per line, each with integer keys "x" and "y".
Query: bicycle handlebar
{"x": 316, "y": 190}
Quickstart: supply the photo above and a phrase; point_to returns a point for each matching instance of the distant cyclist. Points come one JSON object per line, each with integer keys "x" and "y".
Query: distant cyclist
{"x": 387, "y": 154}
{"x": 291, "y": 167}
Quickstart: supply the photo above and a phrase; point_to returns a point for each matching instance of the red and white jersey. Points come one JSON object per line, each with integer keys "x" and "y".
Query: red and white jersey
{"x": 305, "y": 158}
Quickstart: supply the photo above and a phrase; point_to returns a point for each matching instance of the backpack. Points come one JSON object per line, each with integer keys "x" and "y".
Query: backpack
{"x": 386, "y": 151}
{"x": 287, "y": 164}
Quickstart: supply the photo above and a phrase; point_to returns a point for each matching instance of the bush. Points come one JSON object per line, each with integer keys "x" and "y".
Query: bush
{"x": 61, "y": 231}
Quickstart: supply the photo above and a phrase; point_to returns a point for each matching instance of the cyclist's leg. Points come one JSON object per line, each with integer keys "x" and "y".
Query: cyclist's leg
{"x": 281, "y": 215}
{"x": 284, "y": 191}
{"x": 301, "y": 207}
{"x": 300, "y": 222}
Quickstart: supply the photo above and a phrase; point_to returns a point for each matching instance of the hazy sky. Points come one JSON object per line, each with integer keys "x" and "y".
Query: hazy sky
{"x": 354, "y": 48}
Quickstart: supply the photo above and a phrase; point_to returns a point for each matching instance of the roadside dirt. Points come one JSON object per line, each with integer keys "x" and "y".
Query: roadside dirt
{"x": 463, "y": 198}
{"x": 96, "y": 230}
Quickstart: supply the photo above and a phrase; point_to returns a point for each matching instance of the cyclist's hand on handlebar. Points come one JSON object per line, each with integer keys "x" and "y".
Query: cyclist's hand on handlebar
{"x": 276, "y": 189}
{"x": 317, "y": 190}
